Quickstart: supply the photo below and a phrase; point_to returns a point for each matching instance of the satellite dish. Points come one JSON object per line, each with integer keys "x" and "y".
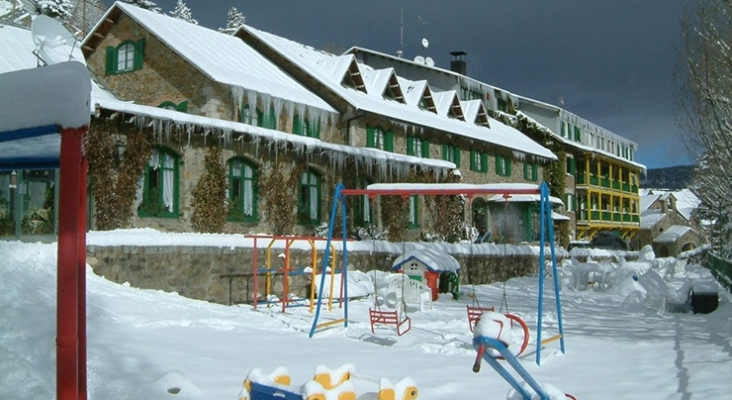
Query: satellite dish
{"x": 419, "y": 60}
{"x": 429, "y": 61}
{"x": 54, "y": 44}
{"x": 425, "y": 43}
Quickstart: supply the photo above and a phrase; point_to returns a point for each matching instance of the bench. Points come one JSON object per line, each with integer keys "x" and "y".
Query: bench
{"x": 389, "y": 318}
{"x": 474, "y": 314}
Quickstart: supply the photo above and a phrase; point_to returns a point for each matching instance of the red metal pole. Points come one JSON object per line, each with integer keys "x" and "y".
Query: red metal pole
{"x": 82, "y": 269}
{"x": 67, "y": 303}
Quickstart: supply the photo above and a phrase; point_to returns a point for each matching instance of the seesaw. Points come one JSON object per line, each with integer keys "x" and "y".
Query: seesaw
{"x": 491, "y": 339}
{"x": 327, "y": 384}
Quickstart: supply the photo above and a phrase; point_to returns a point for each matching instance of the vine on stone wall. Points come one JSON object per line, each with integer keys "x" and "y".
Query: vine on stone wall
{"x": 116, "y": 162}
{"x": 278, "y": 190}
{"x": 447, "y": 213}
{"x": 395, "y": 217}
{"x": 209, "y": 196}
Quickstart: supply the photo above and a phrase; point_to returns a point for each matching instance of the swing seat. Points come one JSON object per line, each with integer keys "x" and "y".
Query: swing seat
{"x": 389, "y": 318}
{"x": 474, "y": 314}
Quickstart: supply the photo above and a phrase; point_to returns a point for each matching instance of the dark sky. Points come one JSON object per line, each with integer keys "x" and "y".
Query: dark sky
{"x": 611, "y": 61}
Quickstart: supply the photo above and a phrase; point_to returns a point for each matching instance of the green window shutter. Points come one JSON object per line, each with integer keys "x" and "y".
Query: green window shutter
{"x": 473, "y": 155}
{"x": 111, "y": 61}
{"x": 272, "y": 119}
{"x": 139, "y": 53}
{"x": 484, "y": 162}
{"x": 389, "y": 141}
{"x": 315, "y": 130}
{"x": 425, "y": 149}
{"x": 508, "y": 166}
{"x": 369, "y": 137}
{"x": 535, "y": 171}
{"x": 296, "y": 125}
{"x": 498, "y": 165}
{"x": 456, "y": 156}
{"x": 445, "y": 149}
{"x": 526, "y": 171}
{"x": 410, "y": 146}
{"x": 182, "y": 106}
{"x": 573, "y": 166}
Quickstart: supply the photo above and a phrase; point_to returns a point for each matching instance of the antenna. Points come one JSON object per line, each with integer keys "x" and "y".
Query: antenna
{"x": 54, "y": 44}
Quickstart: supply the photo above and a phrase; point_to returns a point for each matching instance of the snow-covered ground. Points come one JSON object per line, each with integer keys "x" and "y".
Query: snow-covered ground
{"x": 147, "y": 344}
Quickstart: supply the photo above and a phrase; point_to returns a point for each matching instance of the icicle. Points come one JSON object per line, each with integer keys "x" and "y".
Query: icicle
{"x": 237, "y": 95}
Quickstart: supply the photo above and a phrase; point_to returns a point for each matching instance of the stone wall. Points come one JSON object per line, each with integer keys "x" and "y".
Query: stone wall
{"x": 223, "y": 274}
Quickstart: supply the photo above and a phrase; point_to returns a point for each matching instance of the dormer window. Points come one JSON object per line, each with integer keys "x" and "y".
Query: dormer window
{"x": 353, "y": 78}
{"x": 393, "y": 91}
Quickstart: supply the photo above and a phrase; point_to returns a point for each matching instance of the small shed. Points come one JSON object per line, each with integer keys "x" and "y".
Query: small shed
{"x": 437, "y": 269}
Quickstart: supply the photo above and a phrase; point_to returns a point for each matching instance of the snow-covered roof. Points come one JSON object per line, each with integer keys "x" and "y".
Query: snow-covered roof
{"x": 221, "y": 57}
{"x": 314, "y": 62}
{"x": 486, "y": 188}
{"x": 686, "y": 200}
{"x": 474, "y": 82}
{"x": 649, "y": 218}
{"x": 37, "y": 103}
{"x": 579, "y": 146}
{"x": 436, "y": 261}
{"x": 16, "y": 49}
{"x": 647, "y": 201}
{"x": 167, "y": 121}
{"x": 523, "y": 198}
{"x": 672, "y": 234}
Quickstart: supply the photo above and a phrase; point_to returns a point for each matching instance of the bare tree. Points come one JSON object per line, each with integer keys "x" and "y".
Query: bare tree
{"x": 704, "y": 106}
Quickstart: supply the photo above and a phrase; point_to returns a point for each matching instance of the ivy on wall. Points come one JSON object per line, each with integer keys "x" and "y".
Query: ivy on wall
{"x": 278, "y": 190}
{"x": 116, "y": 162}
{"x": 447, "y": 213}
{"x": 209, "y": 196}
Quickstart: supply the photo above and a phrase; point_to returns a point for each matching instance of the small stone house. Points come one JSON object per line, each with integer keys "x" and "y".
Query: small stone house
{"x": 665, "y": 226}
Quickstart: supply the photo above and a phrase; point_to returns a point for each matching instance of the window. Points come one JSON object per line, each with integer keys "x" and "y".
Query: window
{"x": 364, "y": 214}
{"x": 531, "y": 171}
{"x": 570, "y": 203}
{"x": 308, "y": 208}
{"x": 571, "y": 166}
{"x": 418, "y": 147}
{"x": 303, "y": 127}
{"x": 377, "y": 138}
{"x": 170, "y": 105}
{"x": 451, "y": 153}
{"x": 503, "y": 166}
{"x": 242, "y": 191}
{"x": 158, "y": 188}
{"x": 478, "y": 161}
{"x": 413, "y": 211}
{"x": 126, "y": 57}
{"x": 251, "y": 117}
{"x": 577, "y": 134}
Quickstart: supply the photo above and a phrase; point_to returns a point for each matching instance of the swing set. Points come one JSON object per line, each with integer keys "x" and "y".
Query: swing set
{"x": 407, "y": 189}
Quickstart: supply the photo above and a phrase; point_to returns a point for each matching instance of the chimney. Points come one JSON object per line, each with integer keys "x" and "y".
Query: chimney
{"x": 459, "y": 62}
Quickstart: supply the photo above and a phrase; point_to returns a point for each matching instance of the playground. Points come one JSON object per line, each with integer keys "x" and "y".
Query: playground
{"x": 148, "y": 343}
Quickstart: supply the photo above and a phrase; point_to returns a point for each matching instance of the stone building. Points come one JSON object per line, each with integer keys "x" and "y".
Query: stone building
{"x": 312, "y": 124}
{"x": 666, "y": 225}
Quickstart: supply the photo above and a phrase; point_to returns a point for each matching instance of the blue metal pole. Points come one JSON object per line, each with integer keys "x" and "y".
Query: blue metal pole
{"x": 556, "y": 277}
{"x": 542, "y": 217}
{"x": 513, "y": 362}
{"x": 326, "y": 256}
